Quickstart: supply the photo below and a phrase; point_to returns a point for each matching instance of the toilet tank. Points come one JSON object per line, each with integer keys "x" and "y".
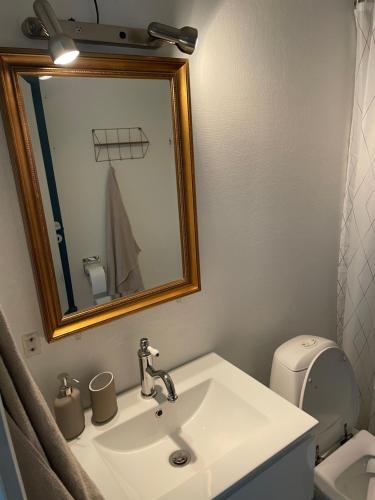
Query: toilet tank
{"x": 290, "y": 363}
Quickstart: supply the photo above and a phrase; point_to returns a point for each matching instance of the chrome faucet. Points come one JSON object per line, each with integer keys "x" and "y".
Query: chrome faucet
{"x": 148, "y": 373}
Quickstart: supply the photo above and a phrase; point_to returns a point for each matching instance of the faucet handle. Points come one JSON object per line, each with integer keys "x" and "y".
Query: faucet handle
{"x": 154, "y": 352}
{"x": 146, "y": 349}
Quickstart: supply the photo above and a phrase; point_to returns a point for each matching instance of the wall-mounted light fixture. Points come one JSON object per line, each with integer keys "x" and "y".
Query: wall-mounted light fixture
{"x": 61, "y": 47}
{"x": 61, "y": 35}
{"x": 185, "y": 38}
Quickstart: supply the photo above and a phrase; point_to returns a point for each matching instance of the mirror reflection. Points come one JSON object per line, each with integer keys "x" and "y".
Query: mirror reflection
{"x": 105, "y": 158}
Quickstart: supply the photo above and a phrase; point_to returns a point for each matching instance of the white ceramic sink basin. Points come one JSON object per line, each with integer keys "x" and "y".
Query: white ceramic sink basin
{"x": 228, "y": 423}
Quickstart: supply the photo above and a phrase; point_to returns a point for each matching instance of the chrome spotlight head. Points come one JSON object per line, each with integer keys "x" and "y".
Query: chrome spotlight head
{"x": 62, "y": 48}
{"x": 185, "y": 38}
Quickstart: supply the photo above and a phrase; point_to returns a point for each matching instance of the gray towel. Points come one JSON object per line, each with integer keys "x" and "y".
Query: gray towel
{"x": 123, "y": 273}
{"x": 48, "y": 468}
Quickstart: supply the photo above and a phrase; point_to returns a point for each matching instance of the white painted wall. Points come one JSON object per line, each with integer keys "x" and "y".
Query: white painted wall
{"x": 75, "y": 106}
{"x": 272, "y": 85}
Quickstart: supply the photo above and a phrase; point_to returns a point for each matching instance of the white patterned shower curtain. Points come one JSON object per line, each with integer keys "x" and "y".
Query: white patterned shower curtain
{"x": 356, "y": 279}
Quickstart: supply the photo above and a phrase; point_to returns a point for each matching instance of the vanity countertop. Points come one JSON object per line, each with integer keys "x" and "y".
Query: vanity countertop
{"x": 229, "y": 423}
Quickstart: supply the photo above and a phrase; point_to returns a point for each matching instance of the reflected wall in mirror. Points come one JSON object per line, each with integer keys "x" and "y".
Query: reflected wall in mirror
{"x": 103, "y": 155}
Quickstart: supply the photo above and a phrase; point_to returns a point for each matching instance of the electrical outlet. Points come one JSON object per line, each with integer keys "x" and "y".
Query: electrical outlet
{"x": 31, "y": 344}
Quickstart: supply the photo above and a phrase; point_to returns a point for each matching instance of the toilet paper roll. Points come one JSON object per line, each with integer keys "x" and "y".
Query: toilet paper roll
{"x": 97, "y": 279}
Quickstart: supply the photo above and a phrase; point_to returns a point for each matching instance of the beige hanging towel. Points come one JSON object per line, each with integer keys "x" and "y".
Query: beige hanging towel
{"x": 48, "y": 468}
{"x": 123, "y": 273}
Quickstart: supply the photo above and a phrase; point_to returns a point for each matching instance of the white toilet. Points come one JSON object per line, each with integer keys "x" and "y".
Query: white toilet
{"x": 314, "y": 374}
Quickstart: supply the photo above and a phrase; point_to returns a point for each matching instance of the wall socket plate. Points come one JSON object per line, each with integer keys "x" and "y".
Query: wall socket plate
{"x": 31, "y": 344}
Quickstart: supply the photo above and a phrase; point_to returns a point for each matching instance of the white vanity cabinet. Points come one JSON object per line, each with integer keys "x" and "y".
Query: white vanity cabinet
{"x": 289, "y": 476}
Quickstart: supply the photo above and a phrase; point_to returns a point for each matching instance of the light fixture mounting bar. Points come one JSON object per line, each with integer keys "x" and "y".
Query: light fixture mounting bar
{"x": 103, "y": 34}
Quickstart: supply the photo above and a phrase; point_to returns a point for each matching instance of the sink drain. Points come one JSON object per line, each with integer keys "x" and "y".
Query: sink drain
{"x": 179, "y": 458}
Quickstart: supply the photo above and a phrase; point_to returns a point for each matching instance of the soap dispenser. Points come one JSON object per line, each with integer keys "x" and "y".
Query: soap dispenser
{"x": 68, "y": 408}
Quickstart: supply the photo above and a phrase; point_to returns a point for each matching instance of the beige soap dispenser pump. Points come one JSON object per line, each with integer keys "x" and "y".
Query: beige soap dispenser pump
{"x": 68, "y": 408}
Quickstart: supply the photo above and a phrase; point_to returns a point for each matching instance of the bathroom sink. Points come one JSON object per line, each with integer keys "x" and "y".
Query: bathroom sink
{"x": 209, "y": 418}
{"x": 224, "y": 425}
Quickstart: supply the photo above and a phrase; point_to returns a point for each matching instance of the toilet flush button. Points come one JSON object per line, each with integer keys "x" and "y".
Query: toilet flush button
{"x": 309, "y": 342}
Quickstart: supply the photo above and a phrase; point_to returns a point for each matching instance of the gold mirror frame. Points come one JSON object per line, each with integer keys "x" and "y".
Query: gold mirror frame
{"x": 16, "y": 62}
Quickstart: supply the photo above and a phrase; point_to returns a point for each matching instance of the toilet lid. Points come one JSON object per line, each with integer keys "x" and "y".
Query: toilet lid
{"x": 330, "y": 394}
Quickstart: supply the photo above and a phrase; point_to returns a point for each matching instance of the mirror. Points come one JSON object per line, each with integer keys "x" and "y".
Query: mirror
{"x": 103, "y": 155}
